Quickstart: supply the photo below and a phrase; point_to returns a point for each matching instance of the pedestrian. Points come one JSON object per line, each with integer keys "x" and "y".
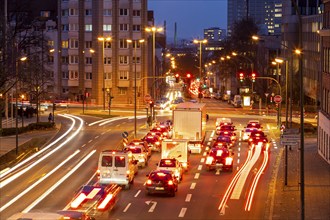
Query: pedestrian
{"x": 50, "y": 117}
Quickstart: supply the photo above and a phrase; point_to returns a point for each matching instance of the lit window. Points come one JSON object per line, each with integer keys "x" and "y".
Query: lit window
{"x": 123, "y": 59}
{"x": 107, "y": 27}
{"x": 88, "y": 27}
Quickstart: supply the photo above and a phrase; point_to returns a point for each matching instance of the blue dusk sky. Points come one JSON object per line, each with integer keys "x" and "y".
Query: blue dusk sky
{"x": 191, "y": 16}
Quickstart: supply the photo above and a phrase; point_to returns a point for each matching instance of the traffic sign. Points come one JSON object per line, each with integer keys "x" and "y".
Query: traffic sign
{"x": 147, "y": 97}
{"x": 124, "y": 134}
{"x": 291, "y": 131}
{"x": 293, "y": 137}
{"x": 286, "y": 142}
{"x": 278, "y": 99}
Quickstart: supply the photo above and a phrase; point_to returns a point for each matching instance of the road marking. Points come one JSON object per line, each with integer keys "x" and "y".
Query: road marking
{"x": 239, "y": 149}
{"x": 117, "y": 125}
{"x": 193, "y": 185}
{"x": 196, "y": 176}
{"x": 202, "y": 160}
{"x": 102, "y": 133}
{"x": 188, "y": 197}
{"x": 204, "y": 154}
{"x": 126, "y": 208}
{"x": 237, "y": 160}
{"x": 90, "y": 141}
{"x": 182, "y": 212}
{"x": 138, "y": 192}
{"x": 199, "y": 167}
{"x": 83, "y": 145}
{"x": 97, "y": 137}
{"x": 238, "y": 154}
{"x": 152, "y": 208}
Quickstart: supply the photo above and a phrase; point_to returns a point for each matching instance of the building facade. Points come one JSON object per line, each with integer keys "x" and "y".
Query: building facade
{"x": 94, "y": 58}
{"x": 324, "y": 83}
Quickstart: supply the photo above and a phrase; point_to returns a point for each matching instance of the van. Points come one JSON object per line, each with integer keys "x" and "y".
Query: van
{"x": 117, "y": 167}
{"x": 221, "y": 121}
{"x": 237, "y": 101}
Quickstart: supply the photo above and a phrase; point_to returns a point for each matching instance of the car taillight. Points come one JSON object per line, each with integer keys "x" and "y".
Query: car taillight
{"x": 149, "y": 182}
{"x": 105, "y": 202}
{"x": 184, "y": 165}
{"x": 165, "y": 133}
{"x": 157, "y": 143}
{"x": 228, "y": 161}
{"x": 78, "y": 201}
{"x": 250, "y": 139}
{"x": 98, "y": 172}
{"x": 170, "y": 182}
{"x": 209, "y": 160}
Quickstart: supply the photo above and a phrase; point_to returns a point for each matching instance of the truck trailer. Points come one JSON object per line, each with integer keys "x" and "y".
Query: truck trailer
{"x": 189, "y": 123}
{"x": 177, "y": 149}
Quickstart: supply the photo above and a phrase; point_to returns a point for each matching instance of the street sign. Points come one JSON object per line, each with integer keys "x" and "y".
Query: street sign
{"x": 147, "y": 97}
{"x": 278, "y": 99}
{"x": 124, "y": 134}
{"x": 291, "y": 131}
{"x": 285, "y": 142}
{"x": 293, "y": 137}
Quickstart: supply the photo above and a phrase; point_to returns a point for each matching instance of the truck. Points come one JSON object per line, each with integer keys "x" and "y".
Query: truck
{"x": 176, "y": 149}
{"x": 189, "y": 123}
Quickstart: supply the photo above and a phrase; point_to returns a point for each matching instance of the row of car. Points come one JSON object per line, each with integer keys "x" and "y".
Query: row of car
{"x": 254, "y": 135}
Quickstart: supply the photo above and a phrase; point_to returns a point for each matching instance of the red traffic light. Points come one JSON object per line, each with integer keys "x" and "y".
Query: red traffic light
{"x": 253, "y": 76}
{"x": 188, "y": 75}
{"x": 177, "y": 75}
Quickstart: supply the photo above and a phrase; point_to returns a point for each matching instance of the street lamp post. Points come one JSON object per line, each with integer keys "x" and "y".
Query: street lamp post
{"x": 200, "y": 42}
{"x": 22, "y": 99}
{"x": 135, "y": 42}
{"x": 153, "y": 30}
{"x": 103, "y": 40}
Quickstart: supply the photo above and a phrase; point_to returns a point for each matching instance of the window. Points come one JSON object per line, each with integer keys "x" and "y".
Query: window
{"x": 138, "y": 60}
{"x": 65, "y": 74}
{"x": 120, "y": 161}
{"x": 88, "y": 60}
{"x": 138, "y": 75}
{"x": 65, "y": 12}
{"x": 65, "y": 44}
{"x": 45, "y": 14}
{"x": 88, "y": 44}
{"x": 123, "y": 75}
{"x": 50, "y": 59}
{"x": 136, "y": 13}
{"x": 65, "y": 27}
{"x": 50, "y": 43}
{"x": 73, "y": 59}
{"x": 88, "y": 12}
{"x": 88, "y": 27}
{"x": 122, "y": 91}
{"x": 73, "y": 11}
{"x": 136, "y": 27}
{"x": 107, "y": 27}
{"x": 73, "y": 27}
{"x": 65, "y": 59}
{"x": 123, "y": 27}
{"x": 123, "y": 12}
{"x": 107, "y": 44}
{"x": 73, "y": 43}
{"x": 73, "y": 74}
{"x": 106, "y": 161}
{"x": 123, "y": 44}
{"x": 123, "y": 59}
{"x": 107, "y": 60}
{"x": 108, "y": 75}
{"x": 88, "y": 76}
{"x": 107, "y": 12}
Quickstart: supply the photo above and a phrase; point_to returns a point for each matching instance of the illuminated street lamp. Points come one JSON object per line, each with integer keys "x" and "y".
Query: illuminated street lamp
{"x": 154, "y": 30}
{"x": 103, "y": 40}
{"x": 200, "y": 42}
{"x": 135, "y": 44}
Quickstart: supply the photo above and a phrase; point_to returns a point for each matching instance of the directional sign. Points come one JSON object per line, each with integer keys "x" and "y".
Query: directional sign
{"x": 124, "y": 134}
{"x": 291, "y": 131}
{"x": 286, "y": 142}
{"x": 278, "y": 99}
{"x": 293, "y": 137}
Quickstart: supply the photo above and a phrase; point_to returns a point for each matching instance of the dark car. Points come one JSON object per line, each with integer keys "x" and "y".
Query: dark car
{"x": 219, "y": 156}
{"x": 230, "y": 134}
{"x": 254, "y": 134}
{"x": 263, "y": 141}
{"x": 224, "y": 139}
{"x": 161, "y": 182}
{"x": 154, "y": 141}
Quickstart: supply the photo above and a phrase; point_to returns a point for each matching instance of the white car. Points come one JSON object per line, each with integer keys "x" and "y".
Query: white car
{"x": 173, "y": 165}
{"x": 139, "y": 152}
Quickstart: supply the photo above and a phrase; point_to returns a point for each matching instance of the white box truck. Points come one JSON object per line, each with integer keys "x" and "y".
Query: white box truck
{"x": 177, "y": 149}
{"x": 189, "y": 123}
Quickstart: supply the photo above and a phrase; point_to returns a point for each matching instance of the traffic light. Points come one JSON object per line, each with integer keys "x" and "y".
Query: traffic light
{"x": 253, "y": 77}
{"x": 177, "y": 77}
{"x": 188, "y": 75}
{"x": 241, "y": 77}
{"x": 151, "y": 104}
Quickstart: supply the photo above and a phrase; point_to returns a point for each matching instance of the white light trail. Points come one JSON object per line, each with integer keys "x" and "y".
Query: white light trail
{"x": 59, "y": 182}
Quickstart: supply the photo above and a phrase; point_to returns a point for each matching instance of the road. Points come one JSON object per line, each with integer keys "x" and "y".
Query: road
{"x": 48, "y": 182}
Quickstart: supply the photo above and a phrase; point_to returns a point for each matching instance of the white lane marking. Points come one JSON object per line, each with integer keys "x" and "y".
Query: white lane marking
{"x": 196, "y": 176}
{"x": 90, "y": 141}
{"x": 102, "y": 133}
{"x": 202, "y": 160}
{"x": 239, "y": 149}
{"x": 117, "y": 125}
{"x": 152, "y": 208}
{"x": 83, "y": 145}
{"x": 204, "y": 154}
{"x": 188, "y": 197}
{"x": 238, "y": 154}
{"x": 208, "y": 143}
{"x": 199, "y": 167}
{"x": 138, "y": 192}
{"x": 237, "y": 160}
{"x": 97, "y": 137}
{"x": 182, "y": 212}
{"x": 193, "y": 185}
{"x": 126, "y": 208}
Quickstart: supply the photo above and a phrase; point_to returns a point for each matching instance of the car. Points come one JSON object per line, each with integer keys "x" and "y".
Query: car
{"x": 253, "y": 126}
{"x": 171, "y": 164}
{"x": 166, "y": 132}
{"x": 230, "y": 134}
{"x": 263, "y": 141}
{"x": 225, "y": 127}
{"x": 237, "y": 101}
{"x": 141, "y": 142}
{"x": 255, "y": 134}
{"x": 223, "y": 121}
{"x": 154, "y": 141}
{"x": 161, "y": 181}
{"x": 117, "y": 167}
{"x": 219, "y": 157}
{"x": 139, "y": 152}
{"x": 224, "y": 139}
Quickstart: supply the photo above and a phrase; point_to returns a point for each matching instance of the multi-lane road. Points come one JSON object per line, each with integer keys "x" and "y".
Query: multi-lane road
{"x": 47, "y": 182}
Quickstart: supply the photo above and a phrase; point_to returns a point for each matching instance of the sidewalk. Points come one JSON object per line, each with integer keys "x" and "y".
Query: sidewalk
{"x": 287, "y": 203}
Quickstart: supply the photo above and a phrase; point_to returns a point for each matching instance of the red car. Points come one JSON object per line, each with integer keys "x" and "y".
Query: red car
{"x": 254, "y": 134}
{"x": 260, "y": 140}
{"x": 219, "y": 157}
{"x": 154, "y": 142}
{"x": 224, "y": 139}
{"x": 227, "y": 127}
{"x": 230, "y": 134}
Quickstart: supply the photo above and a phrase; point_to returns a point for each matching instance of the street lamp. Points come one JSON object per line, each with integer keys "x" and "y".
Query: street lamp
{"x": 200, "y": 42}
{"x": 135, "y": 44}
{"x": 154, "y": 30}
{"x": 22, "y": 99}
{"x": 103, "y": 40}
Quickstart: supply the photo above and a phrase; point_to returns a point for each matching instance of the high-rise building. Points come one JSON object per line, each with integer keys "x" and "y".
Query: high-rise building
{"x": 214, "y": 34}
{"x": 266, "y": 13}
